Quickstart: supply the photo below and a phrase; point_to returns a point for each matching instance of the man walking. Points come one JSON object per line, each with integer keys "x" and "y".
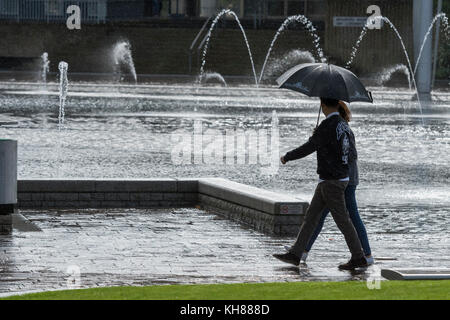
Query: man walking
{"x": 331, "y": 142}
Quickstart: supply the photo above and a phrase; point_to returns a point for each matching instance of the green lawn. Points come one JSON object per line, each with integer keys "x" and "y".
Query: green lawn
{"x": 260, "y": 291}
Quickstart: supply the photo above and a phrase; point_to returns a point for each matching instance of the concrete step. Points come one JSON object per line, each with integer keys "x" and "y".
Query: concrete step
{"x": 416, "y": 274}
{"x": 251, "y": 197}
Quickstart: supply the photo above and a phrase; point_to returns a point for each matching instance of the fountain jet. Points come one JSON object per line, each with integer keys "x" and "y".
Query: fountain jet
{"x": 208, "y": 38}
{"x": 63, "y": 87}
{"x": 279, "y": 65}
{"x": 387, "y": 74}
{"x": 207, "y": 76}
{"x": 308, "y": 25}
{"x": 408, "y": 60}
{"x": 45, "y": 67}
{"x": 446, "y": 29}
{"x": 122, "y": 56}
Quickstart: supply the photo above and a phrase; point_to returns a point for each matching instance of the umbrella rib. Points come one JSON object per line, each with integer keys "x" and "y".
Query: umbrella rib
{"x": 283, "y": 78}
{"x": 345, "y": 84}
{"x": 316, "y": 83}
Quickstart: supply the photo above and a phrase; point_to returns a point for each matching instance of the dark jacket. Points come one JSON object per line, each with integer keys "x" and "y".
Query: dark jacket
{"x": 333, "y": 141}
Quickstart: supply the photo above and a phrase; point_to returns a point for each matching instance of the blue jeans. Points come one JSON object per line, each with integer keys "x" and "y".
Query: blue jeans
{"x": 352, "y": 207}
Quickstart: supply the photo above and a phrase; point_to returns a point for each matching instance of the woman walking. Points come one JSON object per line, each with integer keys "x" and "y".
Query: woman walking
{"x": 350, "y": 197}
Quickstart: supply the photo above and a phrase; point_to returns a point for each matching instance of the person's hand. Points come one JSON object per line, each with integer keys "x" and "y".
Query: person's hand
{"x": 282, "y": 160}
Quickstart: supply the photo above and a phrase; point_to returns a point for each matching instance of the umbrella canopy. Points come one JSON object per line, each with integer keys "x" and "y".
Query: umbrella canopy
{"x": 326, "y": 81}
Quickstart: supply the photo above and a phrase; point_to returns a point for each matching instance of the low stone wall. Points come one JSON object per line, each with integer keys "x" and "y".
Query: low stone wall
{"x": 263, "y": 210}
{"x": 286, "y": 225}
{"x": 59, "y": 194}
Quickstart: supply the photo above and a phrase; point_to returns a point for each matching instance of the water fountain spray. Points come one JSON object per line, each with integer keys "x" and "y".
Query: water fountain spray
{"x": 45, "y": 67}
{"x": 408, "y": 60}
{"x": 387, "y": 73}
{"x": 279, "y": 65}
{"x": 446, "y": 29}
{"x": 308, "y": 25}
{"x": 441, "y": 16}
{"x": 207, "y": 76}
{"x": 357, "y": 44}
{"x": 63, "y": 87}
{"x": 122, "y": 55}
{"x": 208, "y": 37}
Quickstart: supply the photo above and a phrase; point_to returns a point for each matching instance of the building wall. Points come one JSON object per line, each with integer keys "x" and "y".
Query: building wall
{"x": 155, "y": 50}
{"x": 380, "y": 48}
{"x": 92, "y": 11}
{"x": 164, "y": 50}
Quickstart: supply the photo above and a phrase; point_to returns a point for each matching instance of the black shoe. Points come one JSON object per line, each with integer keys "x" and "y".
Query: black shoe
{"x": 288, "y": 258}
{"x": 354, "y": 263}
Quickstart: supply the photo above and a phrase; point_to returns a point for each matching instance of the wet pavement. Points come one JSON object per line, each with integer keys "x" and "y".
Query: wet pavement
{"x": 184, "y": 246}
{"x": 116, "y": 131}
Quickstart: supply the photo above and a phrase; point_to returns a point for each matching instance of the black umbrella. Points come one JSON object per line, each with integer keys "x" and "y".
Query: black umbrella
{"x": 326, "y": 81}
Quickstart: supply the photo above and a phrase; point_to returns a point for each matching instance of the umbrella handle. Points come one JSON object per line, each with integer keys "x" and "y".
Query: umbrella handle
{"x": 318, "y": 117}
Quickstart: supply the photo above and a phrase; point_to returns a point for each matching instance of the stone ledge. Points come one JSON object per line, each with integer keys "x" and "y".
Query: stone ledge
{"x": 55, "y": 185}
{"x": 107, "y": 185}
{"x": 416, "y": 274}
{"x": 111, "y": 204}
{"x": 263, "y": 210}
{"x": 251, "y": 197}
{"x": 273, "y": 224}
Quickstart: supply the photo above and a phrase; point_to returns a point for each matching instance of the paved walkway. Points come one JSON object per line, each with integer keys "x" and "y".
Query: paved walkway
{"x": 145, "y": 247}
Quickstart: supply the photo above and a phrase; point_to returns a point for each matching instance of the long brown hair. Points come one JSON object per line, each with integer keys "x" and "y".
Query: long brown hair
{"x": 344, "y": 111}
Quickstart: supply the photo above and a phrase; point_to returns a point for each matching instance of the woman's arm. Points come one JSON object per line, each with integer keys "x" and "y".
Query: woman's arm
{"x": 301, "y": 152}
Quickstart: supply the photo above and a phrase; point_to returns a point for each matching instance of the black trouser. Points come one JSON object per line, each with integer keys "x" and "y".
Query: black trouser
{"x": 329, "y": 194}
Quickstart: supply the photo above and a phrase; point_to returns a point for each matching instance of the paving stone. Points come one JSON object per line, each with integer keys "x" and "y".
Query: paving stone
{"x": 30, "y": 204}
{"x": 100, "y": 196}
{"x": 61, "y": 196}
{"x": 116, "y": 247}
{"x": 148, "y": 204}
{"x": 156, "y": 196}
{"x": 139, "y": 196}
{"x": 136, "y": 185}
{"x": 187, "y": 185}
{"x": 55, "y": 185}
{"x": 173, "y": 196}
{"x": 85, "y": 196}
{"x": 37, "y": 196}
{"x": 123, "y": 196}
{"x": 23, "y": 196}
{"x": 191, "y": 197}
{"x": 112, "y": 204}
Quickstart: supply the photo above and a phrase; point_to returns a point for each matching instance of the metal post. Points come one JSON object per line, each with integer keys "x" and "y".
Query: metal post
{"x": 423, "y": 15}
{"x": 8, "y": 176}
{"x": 436, "y": 43}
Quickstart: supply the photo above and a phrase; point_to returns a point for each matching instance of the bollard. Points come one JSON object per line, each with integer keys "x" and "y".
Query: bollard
{"x": 8, "y": 176}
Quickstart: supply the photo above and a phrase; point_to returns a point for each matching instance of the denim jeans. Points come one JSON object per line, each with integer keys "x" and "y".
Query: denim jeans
{"x": 352, "y": 207}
